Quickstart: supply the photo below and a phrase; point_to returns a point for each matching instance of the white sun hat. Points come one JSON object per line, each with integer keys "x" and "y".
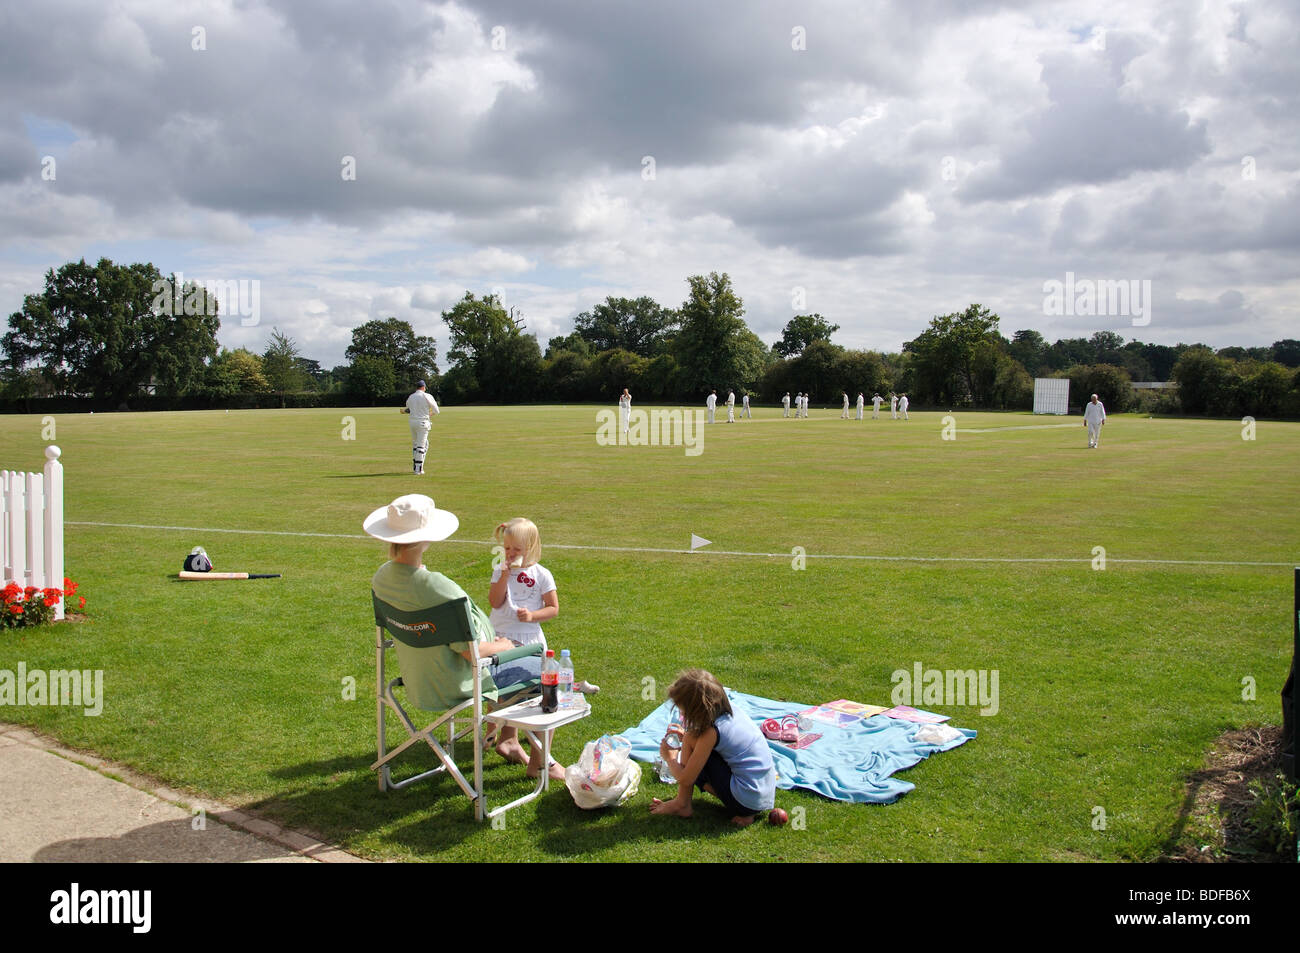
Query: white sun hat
{"x": 410, "y": 519}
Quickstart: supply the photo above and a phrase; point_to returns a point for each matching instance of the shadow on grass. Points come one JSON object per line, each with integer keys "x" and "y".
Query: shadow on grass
{"x": 365, "y": 476}
{"x": 1214, "y": 822}
{"x": 340, "y": 802}
{"x": 173, "y": 841}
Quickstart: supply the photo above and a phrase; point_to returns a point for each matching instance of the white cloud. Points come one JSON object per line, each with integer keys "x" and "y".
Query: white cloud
{"x": 490, "y": 262}
{"x": 910, "y": 161}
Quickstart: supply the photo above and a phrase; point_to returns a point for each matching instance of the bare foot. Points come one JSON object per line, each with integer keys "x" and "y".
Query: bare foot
{"x": 555, "y": 771}
{"x": 743, "y": 821}
{"x": 513, "y": 752}
{"x": 670, "y": 807}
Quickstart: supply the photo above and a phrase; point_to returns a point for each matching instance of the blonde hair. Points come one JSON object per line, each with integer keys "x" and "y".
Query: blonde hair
{"x": 523, "y": 533}
{"x": 397, "y": 549}
{"x": 700, "y": 697}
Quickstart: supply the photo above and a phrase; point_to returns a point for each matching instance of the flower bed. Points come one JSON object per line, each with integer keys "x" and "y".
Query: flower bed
{"x": 21, "y": 608}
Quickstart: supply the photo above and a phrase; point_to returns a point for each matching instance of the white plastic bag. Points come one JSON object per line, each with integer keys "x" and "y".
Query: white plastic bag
{"x": 605, "y": 775}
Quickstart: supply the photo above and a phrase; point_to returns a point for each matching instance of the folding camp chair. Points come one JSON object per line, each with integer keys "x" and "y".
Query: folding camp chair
{"x": 422, "y": 639}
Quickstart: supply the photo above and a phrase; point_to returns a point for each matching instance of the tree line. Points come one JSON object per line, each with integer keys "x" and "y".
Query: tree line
{"x": 116, "y": 333}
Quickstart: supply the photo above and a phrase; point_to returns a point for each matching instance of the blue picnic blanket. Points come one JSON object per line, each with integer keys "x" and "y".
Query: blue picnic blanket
{"x": 851, "y": 763}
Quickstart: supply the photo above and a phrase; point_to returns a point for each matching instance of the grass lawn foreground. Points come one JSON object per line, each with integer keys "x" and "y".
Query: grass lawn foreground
{"x": 1113, "y": 682}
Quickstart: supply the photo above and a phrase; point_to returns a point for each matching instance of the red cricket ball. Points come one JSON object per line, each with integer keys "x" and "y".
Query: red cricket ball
{"x": 777, "y": 817}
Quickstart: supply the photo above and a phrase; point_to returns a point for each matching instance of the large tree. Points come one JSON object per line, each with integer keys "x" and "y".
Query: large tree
{"x": 1030, "y": 349}
{"x": 1111, "y": 384}
{"x": 235, "y": 372}
{"x": 638, "y": 325}
{"x": 1203, "y": 380}
{"x": 714, "y": 347}
{"x": 802, "y": 330}
{"x": 1287, "y": 352}
{"x": 108, "y": 330}
{"x": 412, "y": 357}
{"x": 490, "y": 350}
{"x": 280, "y": 364}
{"x": 371, "y": 377}
{"x": 1107, "y": 347}
{"x": 944, "y": 355}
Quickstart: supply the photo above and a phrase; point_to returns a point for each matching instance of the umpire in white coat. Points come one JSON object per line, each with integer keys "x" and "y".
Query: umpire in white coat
{"x": 1094, "y": 415}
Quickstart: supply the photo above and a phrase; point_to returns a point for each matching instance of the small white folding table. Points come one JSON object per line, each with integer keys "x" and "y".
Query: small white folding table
{"x": 528, "y": 717}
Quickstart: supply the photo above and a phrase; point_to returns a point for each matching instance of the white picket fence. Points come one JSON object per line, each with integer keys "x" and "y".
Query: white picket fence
{"x": 31, "y": 522}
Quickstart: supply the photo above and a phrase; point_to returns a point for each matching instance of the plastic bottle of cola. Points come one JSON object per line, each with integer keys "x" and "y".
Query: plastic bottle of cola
{"x": 567, "y": 699}
{"x": 550, "y": 682}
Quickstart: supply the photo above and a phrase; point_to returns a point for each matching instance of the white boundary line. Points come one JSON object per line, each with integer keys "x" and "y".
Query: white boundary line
{"x": 713, "y": 552}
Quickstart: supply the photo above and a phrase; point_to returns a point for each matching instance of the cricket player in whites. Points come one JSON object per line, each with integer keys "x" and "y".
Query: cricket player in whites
{"x": 711, "y": 402}
{"x": 731, "y": 406}
{"x": 861, "y": 401}
{"x": 1094, "y": 415}
{"x": 785, "y": 405}
{"x": 844, "y": 414}
{"x": 875, "y": 407}
{"x": 744, "y": 400}
{"x": 420, "y": 405}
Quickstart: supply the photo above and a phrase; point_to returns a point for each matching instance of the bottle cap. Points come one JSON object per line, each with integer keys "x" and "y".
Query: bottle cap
{"x": 550, "y": 653}
{"x": 563, "y": 652}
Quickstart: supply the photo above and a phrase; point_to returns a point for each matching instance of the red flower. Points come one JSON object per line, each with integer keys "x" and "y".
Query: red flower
{"x": 82, "y": 605}
{"x": 16, "y": 609}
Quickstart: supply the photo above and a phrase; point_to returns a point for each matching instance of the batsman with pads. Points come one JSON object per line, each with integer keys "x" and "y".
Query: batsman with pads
{"x": 420, "y": 405}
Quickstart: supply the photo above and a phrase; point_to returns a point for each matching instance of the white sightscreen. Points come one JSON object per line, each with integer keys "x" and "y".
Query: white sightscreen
{"x": 1051, "y": 395}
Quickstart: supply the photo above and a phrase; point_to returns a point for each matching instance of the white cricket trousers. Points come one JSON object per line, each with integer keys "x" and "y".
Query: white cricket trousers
{"x": 419, "y": 442}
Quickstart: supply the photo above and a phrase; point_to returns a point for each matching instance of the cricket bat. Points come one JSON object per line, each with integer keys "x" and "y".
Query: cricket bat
{"x": 195, "y": 576}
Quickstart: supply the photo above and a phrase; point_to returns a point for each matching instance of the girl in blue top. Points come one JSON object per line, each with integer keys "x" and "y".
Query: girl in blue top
{"x": 726, "y": 756}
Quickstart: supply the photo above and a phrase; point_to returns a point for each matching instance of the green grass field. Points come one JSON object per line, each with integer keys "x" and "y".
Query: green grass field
{"x": 1113, "y": 683}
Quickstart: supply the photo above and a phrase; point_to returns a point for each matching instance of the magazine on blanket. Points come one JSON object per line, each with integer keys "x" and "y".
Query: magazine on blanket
{"x": 921, "y": 717}
{"x": 841, "y": 712}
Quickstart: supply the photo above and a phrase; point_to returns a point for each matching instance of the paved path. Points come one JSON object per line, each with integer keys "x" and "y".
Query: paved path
{"x": 58, "y": 805}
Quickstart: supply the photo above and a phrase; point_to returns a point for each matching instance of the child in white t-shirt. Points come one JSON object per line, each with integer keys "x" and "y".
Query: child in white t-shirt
{"x": 522, "y": 597}
{"x": 523, "y": 592}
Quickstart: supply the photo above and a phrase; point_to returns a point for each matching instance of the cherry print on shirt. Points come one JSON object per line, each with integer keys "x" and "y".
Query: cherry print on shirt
{"x": 527, "y": 581}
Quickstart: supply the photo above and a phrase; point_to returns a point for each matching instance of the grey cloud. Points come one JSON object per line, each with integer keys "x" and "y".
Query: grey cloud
{"x": 18, "y": 159}
{"x": 1089, "y": 134}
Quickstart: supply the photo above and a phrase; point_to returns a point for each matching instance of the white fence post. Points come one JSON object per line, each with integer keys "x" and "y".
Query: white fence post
{"x": 31, "y": 524}
{"x": 54, "y": 523}
{"x": 15, "y": 529}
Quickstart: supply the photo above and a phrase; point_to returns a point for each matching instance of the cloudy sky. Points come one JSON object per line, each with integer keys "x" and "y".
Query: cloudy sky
{"x": 878, "y": 163}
